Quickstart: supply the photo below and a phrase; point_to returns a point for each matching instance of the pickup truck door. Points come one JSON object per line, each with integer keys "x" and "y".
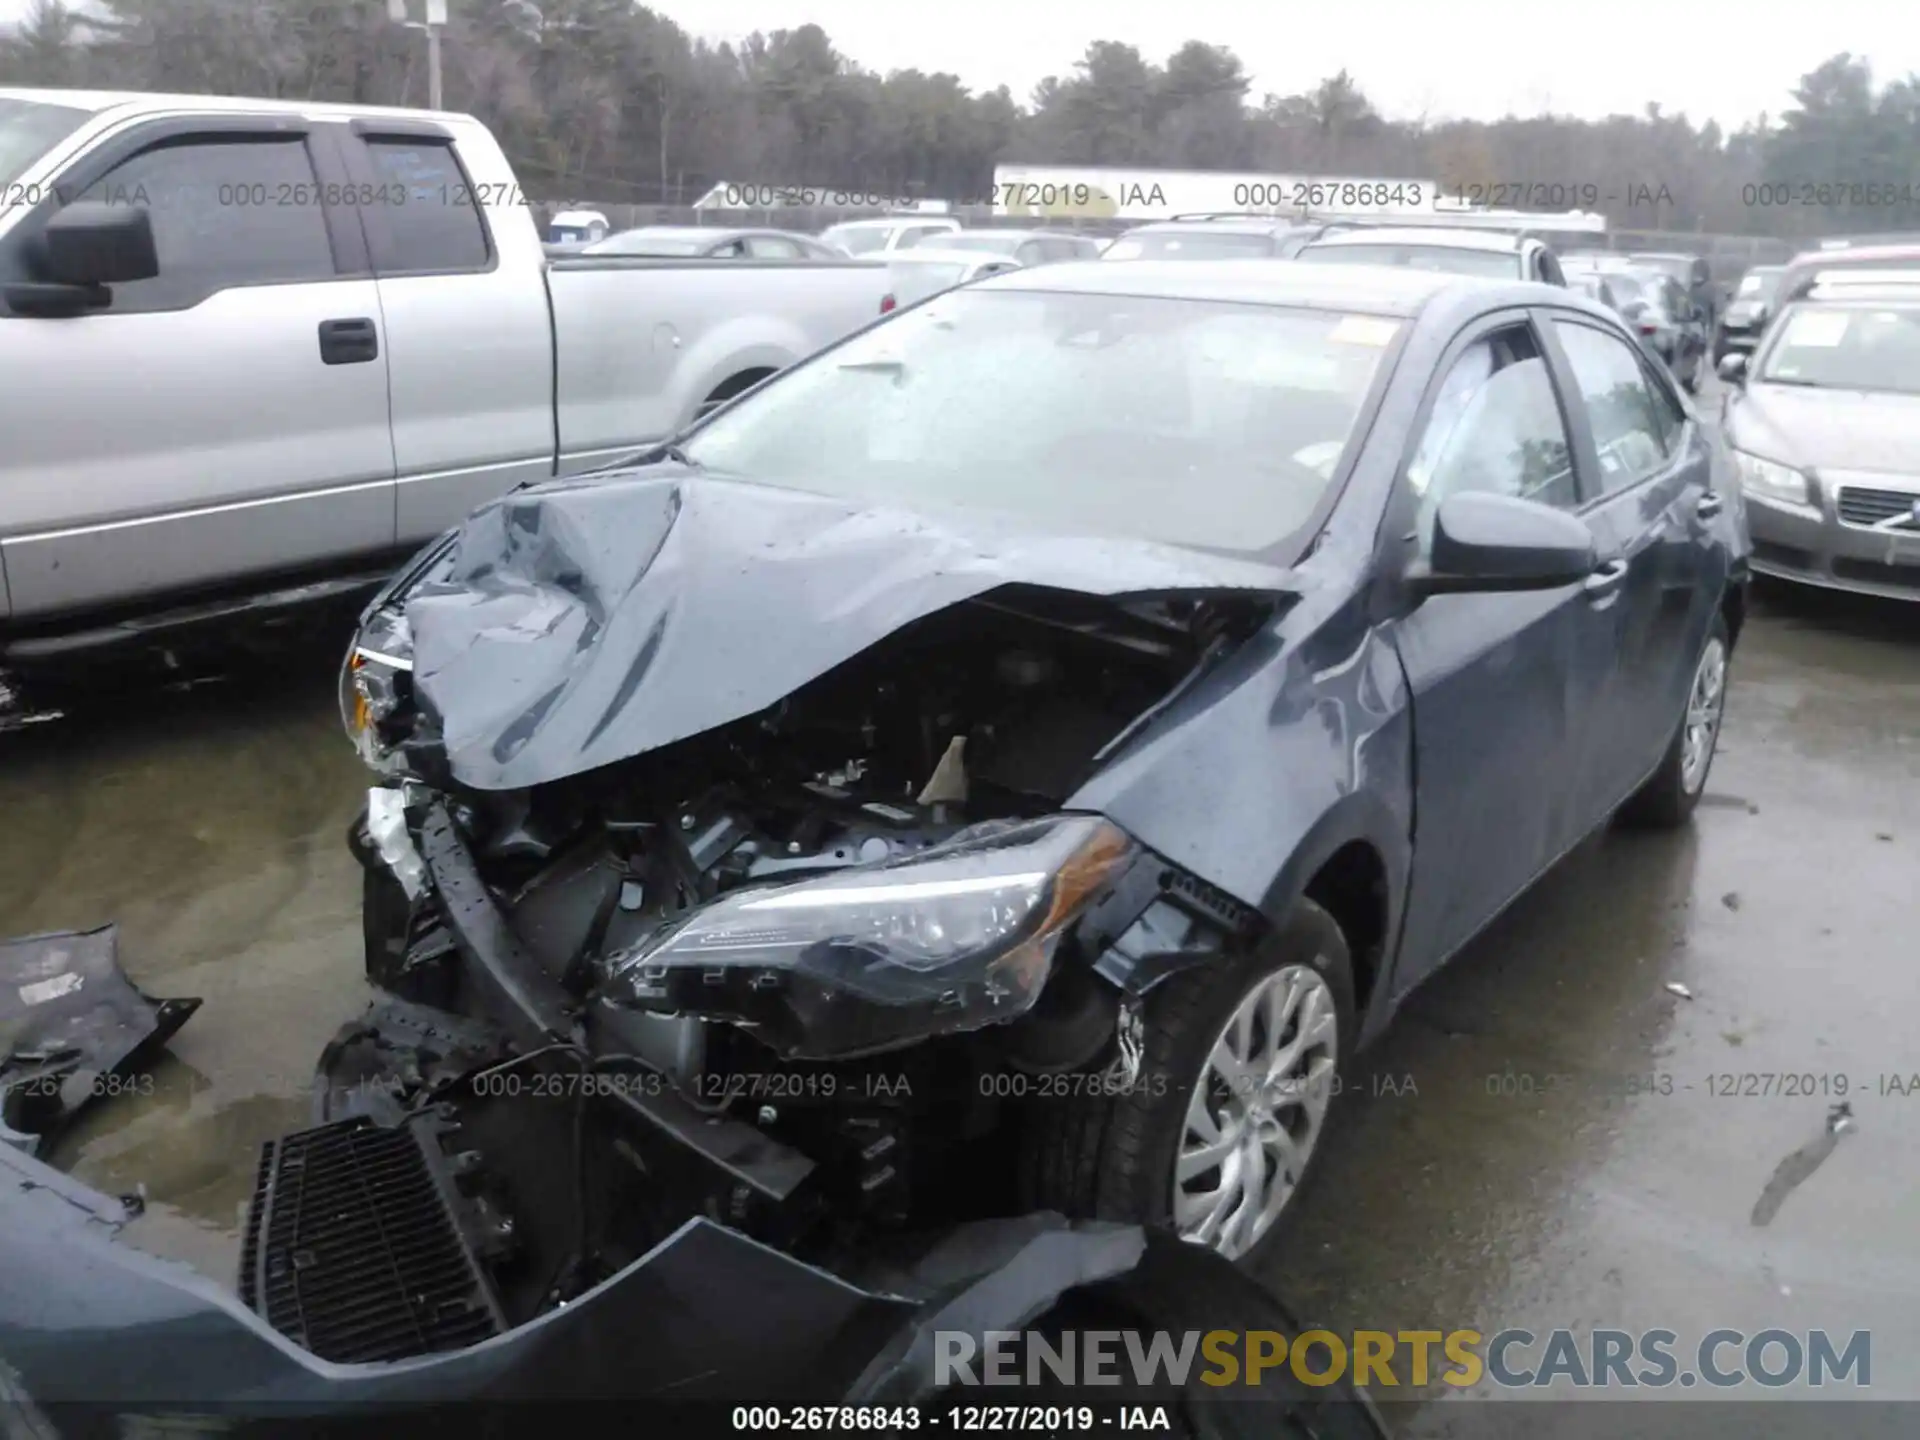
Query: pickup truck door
{"x": 224, "y": 419}
{"x": 463, "y": 296}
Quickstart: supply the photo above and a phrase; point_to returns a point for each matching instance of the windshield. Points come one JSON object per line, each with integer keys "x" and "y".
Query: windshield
{"x": 912, "y": 280}
{"x": 1190, "y": 423}
{"x": 28, "y": 129}
{"x": 1848, "y": 347}
{"x": 1418, "y": 257}
{"x": 638, "y": 244}
{"x": 1759, "y": 284}
{"x": 1188, "y": 245}
{"x": 993, "y": 244}
{"x": 857, "y": 239}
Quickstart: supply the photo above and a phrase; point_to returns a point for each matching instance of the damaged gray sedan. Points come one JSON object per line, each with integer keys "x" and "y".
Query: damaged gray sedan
{"x": 1014, "y": 759}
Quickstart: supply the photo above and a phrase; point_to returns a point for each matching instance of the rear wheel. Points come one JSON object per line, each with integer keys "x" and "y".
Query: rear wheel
{"x": 1241, "y": 1062}
{"x": 1669, "y": 797}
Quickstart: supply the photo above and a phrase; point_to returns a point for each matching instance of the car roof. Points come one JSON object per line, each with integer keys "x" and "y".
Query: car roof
{"x": 1437, "y": 237}
{"x": 1368, "y": 289}
{"x": 913, "y": 254}
{"x": 1664, "y": 255}
{"x": 1850, "y": 292}
{"x": 1235, "y": 225}
{"x": 688, "y": 232}
{"x": 890, "y": 221}
{"x": 1023, "y": 234}
{"x": 1852, "y": 255}
{"x": 142, "y": 102}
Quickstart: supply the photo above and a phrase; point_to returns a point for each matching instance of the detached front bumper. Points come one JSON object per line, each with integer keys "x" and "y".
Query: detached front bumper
{"x": 1842, "y": 540}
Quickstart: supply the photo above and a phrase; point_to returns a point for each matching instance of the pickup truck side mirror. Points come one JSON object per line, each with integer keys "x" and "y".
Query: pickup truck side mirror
{"x": 92, "y": 242}
{"x": 1484, "y": 542}
{"x": 1732, "y": 369}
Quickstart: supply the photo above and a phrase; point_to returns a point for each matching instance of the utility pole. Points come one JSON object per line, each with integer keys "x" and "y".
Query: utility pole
{"x": 435, "y": 22}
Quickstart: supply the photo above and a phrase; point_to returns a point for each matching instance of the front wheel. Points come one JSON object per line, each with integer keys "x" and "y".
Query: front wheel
{"x": 1669, "y": 797}
{"x": 1242, "y": 1058}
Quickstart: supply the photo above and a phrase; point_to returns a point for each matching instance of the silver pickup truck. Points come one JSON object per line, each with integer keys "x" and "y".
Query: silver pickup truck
{"x": 248, "y": 348}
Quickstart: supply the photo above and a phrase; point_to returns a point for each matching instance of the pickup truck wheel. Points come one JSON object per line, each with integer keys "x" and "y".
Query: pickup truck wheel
{"x": 1219, "y": 1134}
{"x": 1670, "y": 795}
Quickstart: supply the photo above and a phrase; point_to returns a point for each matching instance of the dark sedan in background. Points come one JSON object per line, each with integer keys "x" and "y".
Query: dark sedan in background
{"x": 1656, "y": 308}
{"x": 1747, "y": 312}
{"x": 1824, "y": 421}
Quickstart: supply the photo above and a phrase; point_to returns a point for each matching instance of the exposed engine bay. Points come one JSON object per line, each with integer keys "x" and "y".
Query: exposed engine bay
{"x": 811, "y": 974}
{"x": 829, "y": 957}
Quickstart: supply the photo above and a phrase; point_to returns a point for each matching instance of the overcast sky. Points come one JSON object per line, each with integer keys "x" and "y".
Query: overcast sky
{"x": 1477, "y": 59}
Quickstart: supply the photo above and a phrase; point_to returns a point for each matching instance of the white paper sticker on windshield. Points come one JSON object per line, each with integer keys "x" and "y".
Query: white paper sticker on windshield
{"x": 1818, "y": 329}
{"x": 1364, "y": 330}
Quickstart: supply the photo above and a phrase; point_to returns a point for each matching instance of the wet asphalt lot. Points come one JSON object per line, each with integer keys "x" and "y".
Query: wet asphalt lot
{"x": 1493, "y": 1169}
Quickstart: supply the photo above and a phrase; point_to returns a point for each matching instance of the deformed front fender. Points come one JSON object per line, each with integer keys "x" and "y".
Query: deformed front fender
{"x": 1308, "y": 719}
{"x": 1298, "y": 745}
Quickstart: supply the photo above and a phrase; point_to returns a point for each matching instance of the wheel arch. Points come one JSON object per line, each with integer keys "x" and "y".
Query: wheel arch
{"x": 1353, "y": 863}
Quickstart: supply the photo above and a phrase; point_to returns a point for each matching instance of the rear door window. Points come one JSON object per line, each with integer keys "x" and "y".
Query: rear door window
{"x": 428, "y": 216}
{"x": 1631, "y": 430}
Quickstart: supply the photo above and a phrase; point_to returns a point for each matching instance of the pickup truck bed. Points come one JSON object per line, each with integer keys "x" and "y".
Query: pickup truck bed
{"x": 351, "y": 335}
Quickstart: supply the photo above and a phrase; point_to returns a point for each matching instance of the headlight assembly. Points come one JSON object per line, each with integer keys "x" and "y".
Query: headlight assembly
{"x": 375, "y": 684}
{"x": 1770, "y": 480}
{"x": 956, "y": 937}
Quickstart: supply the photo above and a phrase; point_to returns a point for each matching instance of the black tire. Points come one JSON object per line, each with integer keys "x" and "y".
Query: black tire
{"x": 1179, "y": 1290}
{"x": 1112, "y": 1158}
{"x": 1666, "y": 801}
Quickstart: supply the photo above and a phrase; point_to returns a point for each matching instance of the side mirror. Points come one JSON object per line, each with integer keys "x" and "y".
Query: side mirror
{"x": 1732, "y": 369}
{"x": 1487, "y": 543}
{"x": 92, "y": 242}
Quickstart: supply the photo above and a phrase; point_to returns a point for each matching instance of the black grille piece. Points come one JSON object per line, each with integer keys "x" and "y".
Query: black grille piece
{"x": 1860, "y": 506}
{"x": 1787, "y": 557}
{"x": 1872, "y": 572}
{"x": 352, "y": 1252}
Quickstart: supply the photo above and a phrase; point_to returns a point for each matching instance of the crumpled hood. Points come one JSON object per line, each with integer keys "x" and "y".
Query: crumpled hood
{"x": 582, "y": 622}
{"x": 1828, "y": 429}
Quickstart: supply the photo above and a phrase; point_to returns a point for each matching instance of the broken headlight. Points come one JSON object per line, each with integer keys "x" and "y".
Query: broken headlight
{"x": 868, "y": 958}
{"x": 375, "y": 684}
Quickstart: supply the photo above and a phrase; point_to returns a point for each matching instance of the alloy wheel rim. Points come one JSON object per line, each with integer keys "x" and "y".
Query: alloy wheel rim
{"x": 1256, "y": 1111}
{"x": 1705, "y": 702}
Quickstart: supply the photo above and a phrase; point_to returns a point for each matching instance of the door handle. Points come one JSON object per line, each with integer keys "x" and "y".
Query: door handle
{"x": 349, "y": 342}
{"x": 1606, "y": 579}
{"x": 1711, "y": 504}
